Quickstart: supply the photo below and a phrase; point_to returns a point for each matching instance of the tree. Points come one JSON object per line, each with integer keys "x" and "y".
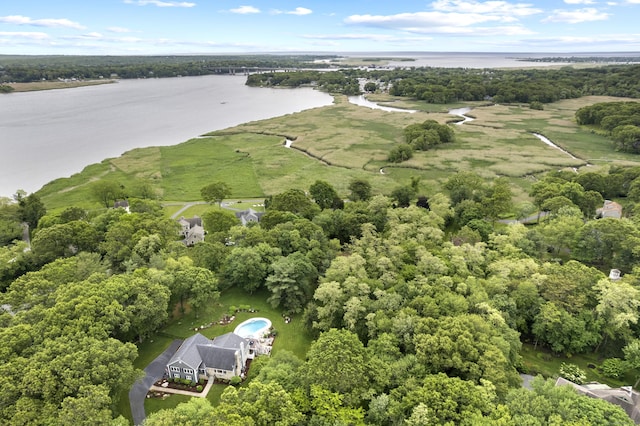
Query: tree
{"x": 323, "y": 194}
{"x": 465, "y": 186}
{"x": 546, "y": 403}
{"x": 337, "y": 362}
{"x": 292, "y": 282}
{"x": 92, "y": 406}
{"x": 618, "y": 304}
{"x": 370, "y": 87}
{"x": 196, "y": 411}
{"x": 403, "y": 195}
{"x": 10, "y": 228}
{"x": 245, "y": 268}
{"x": 266, "y": 404}
{"x": 498, "y": 199}
{"x": 360, "y": 190}
{"x": 471, "y": 348}
{"x": 607, "y": 242}
{"x": 632, "y": 357}
{"x": 563, "y": 332}
{"x": 31, "y": 209}
{"x": 215, "y": 192}
{"x": 219, "y": 221}
{"x": 294, "y": 201}
{"x": 400, "y": 153}
{"x": 107, "y": 192}
{"x": 64, "y": 240}
{"x": 443, "y": 400}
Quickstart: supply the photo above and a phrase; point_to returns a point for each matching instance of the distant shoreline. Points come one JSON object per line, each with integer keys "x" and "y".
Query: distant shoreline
{"x": 56, "y": 84}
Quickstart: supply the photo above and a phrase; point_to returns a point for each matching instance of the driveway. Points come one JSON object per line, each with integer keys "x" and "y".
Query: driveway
{"x": 154, "y": 371}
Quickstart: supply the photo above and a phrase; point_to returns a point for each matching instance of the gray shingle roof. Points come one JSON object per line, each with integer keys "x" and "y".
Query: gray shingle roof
{"x": 188, "y": 353}
{"x": 218, "y": 353}
{"x": 230, "y": 341}
{"x": 216, "y": 357}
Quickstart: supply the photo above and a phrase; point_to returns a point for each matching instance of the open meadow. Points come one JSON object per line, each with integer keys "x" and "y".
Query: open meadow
{"x": 344, "y": 141}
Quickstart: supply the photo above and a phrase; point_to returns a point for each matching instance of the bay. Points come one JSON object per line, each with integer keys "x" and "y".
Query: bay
{"x": 50, "y": 134}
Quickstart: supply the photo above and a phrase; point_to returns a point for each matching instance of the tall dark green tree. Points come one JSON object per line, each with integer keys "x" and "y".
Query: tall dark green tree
{"x": 360, "y": 190}
{"x": 323, "y": 194}
{"x": 215, "y": 192}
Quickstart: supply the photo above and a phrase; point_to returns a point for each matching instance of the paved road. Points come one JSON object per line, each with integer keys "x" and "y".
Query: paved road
{"x": 154, "y": 371}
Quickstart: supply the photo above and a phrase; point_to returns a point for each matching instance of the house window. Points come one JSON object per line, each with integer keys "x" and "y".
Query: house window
{"x": 175, "y": 369}
{"x": 187, "y": 371}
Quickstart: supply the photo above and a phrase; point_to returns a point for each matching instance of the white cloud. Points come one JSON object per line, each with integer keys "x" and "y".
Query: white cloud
{"x": 160, "y": 3}
{"x": 420, "y": 20}
{"x": 51, "y": 23}
{"x": 297, "y": 11}
{"x": 456, "y": 17}
{"x": 244, "y": 10}
{"x": 500, "y": 8}
{"x": 579, "y": 1}
{"x": 25, "y": 35}
{"x": 119, "y": 30}
{"x": 373, "y": 37}
{"x": 576, "y": 16}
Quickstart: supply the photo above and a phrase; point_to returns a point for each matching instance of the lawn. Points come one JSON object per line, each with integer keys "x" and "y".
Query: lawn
{"x": 291, "y": 337}
{"x": 539, "y": 361}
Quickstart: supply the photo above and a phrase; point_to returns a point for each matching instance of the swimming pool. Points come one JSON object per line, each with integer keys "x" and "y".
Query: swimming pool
{"x": 253, "y": 327}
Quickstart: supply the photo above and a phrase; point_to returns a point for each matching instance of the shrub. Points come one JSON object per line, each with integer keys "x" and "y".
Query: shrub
{"x": 612, "y": 367}
{"x": 235, "y": 380}
{"x": 232, "y": 310}
{"x": 199, "y": 388}
{"x": 573, "y": 372}
{"x": 536, "y": 105}
{"x": 400, "y": 153}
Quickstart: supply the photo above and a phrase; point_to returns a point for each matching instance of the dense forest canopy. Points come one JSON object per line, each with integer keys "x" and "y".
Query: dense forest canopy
{"x": 448, "y": 85}
{"x": 402, "y": 301}
{"x": 34, "y": 68}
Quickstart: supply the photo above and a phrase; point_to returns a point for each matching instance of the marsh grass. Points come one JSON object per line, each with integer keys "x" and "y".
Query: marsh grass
{"x": 343, "y": 141}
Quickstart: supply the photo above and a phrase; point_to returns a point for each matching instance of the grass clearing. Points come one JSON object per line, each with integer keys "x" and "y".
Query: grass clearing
{"x": 291, "y": 337}
{"x": 540, "y": 361}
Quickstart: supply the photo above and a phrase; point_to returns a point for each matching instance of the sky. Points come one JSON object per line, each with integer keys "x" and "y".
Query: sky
{"x": 150, "y": 27}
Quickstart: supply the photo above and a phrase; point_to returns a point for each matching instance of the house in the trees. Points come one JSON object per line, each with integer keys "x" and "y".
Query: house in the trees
{"x": 247, "y": 216}
{"x": 121, "y": 204}
{"x": 191, "y": 230}
{"x": 221, "y": 358}
{"x": 610, "y": 209}
{"x": 625, "y": 396}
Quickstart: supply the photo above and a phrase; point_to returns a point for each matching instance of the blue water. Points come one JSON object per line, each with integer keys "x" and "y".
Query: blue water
{"x": 251, "y": 328}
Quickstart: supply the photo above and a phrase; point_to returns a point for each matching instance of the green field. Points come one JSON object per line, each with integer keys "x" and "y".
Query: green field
{"x": 343, "y": 141}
